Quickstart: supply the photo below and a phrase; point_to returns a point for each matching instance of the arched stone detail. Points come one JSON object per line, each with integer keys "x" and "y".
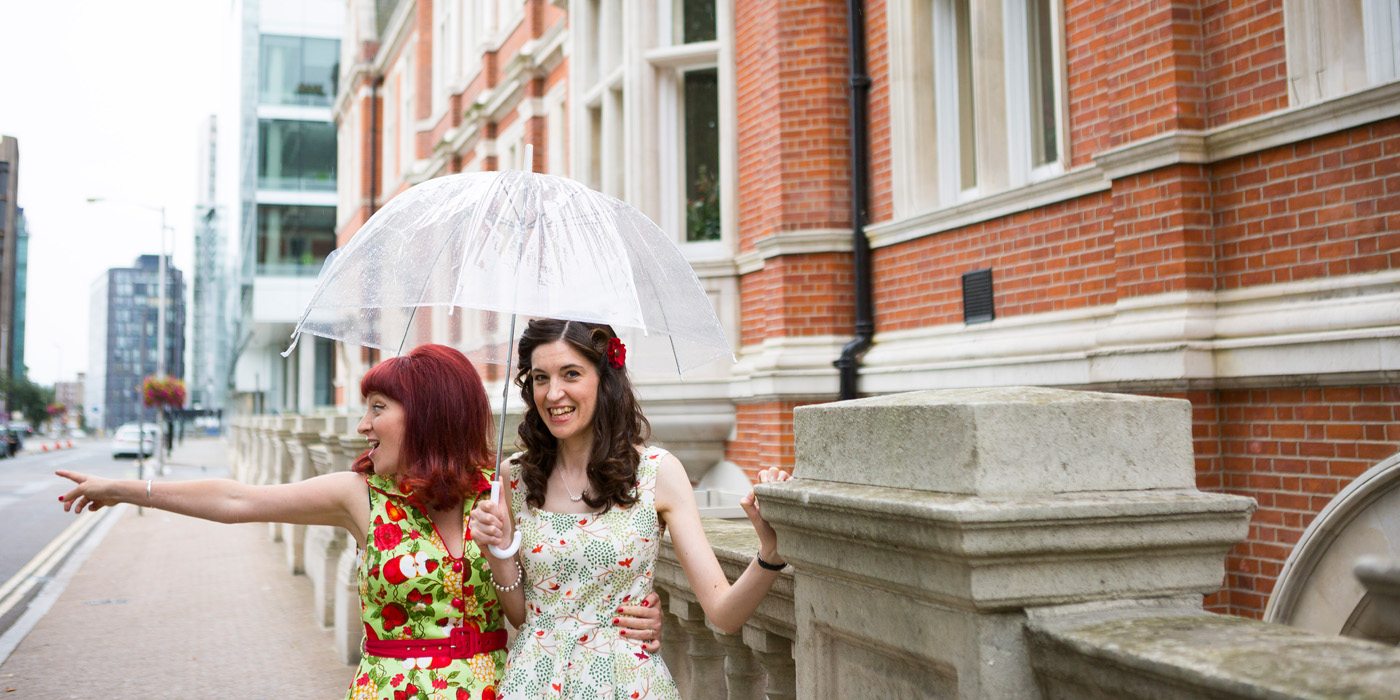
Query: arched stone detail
{"x": 1318, "y": 589}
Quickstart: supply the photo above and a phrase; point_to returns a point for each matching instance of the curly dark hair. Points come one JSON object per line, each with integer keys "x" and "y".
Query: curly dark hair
{"x": 619, "y": 426}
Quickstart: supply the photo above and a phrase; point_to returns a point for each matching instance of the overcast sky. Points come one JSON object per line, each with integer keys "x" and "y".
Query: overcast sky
{"x": 106, "y": 99}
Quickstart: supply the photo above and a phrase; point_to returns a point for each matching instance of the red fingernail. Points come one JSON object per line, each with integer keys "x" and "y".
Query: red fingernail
{"x": 60, "y": 498}
{"x": 646, "y": 604}
{"x": 619, "y": 609}
{"x": 614, "y": 620}
{"x": 622, "y": 632}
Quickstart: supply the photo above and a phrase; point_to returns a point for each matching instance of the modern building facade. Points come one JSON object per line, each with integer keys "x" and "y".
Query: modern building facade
{"x": 21, "y": 292}
{"x": 282, "y": 222}
{"x": 1194, "y": 200}
{"x": 123, "y": 339}
{"x": 211, "y": 324}
{"x": 11, "y": 228}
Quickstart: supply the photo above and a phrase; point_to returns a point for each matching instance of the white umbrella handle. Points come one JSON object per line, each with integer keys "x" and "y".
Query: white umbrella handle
{"x": 510, "y": 551}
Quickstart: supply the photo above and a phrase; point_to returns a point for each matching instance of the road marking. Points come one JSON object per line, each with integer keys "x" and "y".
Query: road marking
{"x": 19, "y": 585}
{"x": 100, "y": 525}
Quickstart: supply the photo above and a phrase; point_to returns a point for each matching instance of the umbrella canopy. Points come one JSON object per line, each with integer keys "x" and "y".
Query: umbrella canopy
{"x": 510, "y": 242}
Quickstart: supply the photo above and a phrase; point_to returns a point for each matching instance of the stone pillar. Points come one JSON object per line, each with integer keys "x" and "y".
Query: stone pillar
{"x": 305, "y": 431}
{"x": 325, "y": 545}
{"x": 775, "y": 653}
{"x": 707, "y": 680}
{"x": 348, "y": 629}
{"x": 279, "y": 462}
{"x": 742, "y": 672}
{"x": 675, "y": 643}
{"x": 923, "y": 527}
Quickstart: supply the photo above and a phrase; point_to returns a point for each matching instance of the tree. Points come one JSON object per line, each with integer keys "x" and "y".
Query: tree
{"x": 28, "y": 398}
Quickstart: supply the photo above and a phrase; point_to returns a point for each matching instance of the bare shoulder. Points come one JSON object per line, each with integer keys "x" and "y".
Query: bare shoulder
{"x": 672, "y": 483}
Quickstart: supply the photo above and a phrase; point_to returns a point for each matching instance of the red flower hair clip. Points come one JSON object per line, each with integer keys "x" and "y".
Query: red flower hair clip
{"x": 617, "y": 353}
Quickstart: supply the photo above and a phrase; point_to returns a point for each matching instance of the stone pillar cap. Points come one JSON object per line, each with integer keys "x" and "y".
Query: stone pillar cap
{"x": 1001, "y": 441}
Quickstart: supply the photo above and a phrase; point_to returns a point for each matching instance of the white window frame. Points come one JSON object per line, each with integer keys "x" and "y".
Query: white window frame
{"x": 1323, "y": 59}
{"x": 925, "y": 118}
{"x": 668, "y": 62}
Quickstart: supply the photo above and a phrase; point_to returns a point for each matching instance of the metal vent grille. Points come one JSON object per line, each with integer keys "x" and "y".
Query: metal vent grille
{"x": 977, "y": 296}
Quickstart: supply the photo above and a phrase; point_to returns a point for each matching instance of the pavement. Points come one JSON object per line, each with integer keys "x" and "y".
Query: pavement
{"x": 156, "y": 605}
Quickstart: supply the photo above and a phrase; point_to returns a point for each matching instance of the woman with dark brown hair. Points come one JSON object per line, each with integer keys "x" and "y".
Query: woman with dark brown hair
{"x": 592, "y": 500}
{"x": 432, "y": 619}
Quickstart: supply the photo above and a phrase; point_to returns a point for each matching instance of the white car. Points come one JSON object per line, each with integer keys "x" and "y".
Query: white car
{"x": 125, "y": 440}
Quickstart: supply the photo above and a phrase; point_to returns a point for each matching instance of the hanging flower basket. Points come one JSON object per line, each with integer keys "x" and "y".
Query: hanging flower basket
{"x": 56, "y": 408}
{"x": 166, "y": 392}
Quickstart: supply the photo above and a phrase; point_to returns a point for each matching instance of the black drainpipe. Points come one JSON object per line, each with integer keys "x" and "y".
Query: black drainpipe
{"x": 373, "y": 148}
{"x": 848, "y": 364}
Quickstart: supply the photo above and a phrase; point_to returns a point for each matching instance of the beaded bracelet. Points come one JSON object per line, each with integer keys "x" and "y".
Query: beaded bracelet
{"x": 519, "y": 576}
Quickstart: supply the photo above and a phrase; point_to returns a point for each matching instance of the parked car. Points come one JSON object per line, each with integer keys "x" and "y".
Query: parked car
{"x": 124, "y": 442}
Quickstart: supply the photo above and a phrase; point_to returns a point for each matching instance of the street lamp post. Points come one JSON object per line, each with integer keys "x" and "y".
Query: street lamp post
{"x": 160, "y": 323}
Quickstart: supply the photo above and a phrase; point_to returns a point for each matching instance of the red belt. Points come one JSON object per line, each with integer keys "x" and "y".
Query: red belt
{"x": 462, "y": 644}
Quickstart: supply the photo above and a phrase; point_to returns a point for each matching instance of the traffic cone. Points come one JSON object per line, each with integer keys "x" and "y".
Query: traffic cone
{"x": 70, "y": 443}
{"x": 46, "y": 447}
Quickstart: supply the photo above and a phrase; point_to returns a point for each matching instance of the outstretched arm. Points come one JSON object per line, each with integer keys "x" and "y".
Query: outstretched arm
{"x": 728, "y": 606}
{"x": 338, "y": 499}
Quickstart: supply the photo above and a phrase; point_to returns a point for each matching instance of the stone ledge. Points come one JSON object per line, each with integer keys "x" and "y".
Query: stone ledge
{"x": 1200, "y": 655}
{"x": 990, "y": 554}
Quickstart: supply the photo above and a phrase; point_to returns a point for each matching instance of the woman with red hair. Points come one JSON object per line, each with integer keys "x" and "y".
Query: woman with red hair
{"x": 431, "y": 614}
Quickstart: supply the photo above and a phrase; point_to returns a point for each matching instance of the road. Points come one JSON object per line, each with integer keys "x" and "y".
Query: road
{"x": 31, "y": 518}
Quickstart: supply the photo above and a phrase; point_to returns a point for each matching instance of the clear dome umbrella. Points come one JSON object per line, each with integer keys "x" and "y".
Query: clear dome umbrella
{"x": 509, "y": 243}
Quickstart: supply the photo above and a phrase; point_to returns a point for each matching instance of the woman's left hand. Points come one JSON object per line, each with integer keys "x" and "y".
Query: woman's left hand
{"x": 641, "y": 623}
{"x": 767, "y": 538}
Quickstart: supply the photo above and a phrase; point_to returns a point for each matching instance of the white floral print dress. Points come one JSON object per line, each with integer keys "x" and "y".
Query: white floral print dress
{"x": 578, "y": 570}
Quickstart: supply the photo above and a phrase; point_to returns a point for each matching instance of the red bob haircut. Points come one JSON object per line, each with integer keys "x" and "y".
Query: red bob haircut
{"x": 446, "y": 450}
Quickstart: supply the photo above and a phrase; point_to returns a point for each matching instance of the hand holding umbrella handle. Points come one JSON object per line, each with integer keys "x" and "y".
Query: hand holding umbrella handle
{"x": 510, "y": 551}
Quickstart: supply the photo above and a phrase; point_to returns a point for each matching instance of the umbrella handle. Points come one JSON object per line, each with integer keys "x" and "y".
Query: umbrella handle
{"x": 510, "y": 551}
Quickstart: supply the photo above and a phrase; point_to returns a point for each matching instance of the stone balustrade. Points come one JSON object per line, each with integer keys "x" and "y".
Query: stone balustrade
{"x": 972, "y": 544}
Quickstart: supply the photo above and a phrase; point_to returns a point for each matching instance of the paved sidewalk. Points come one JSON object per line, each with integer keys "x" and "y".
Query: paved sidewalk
{"x": 173, "y": 607}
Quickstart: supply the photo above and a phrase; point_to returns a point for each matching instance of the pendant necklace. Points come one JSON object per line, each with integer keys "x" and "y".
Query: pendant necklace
{"x": 570, "y": 491}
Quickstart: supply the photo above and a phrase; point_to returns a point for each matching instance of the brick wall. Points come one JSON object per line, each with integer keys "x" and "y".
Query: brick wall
{"x": 1162, "y": 236}
{"x": 764, "y": 436}
{"x": 1049, "y": 259}
{"x": 1246, "y": 70}
{"x": 1327, "y": 206}
{"x": 1291, "y": 450}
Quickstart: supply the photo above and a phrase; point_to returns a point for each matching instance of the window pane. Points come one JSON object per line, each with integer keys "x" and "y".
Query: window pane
{"x": 695, "y": 21}
{"x": 296, "y": 155}
{"x": 293, "y": 241}
{"x": 702, "y": 155}
{"x": 1044, "y": 132}
{"x": 967, "y": 125}
{"x": 298, "y": 71}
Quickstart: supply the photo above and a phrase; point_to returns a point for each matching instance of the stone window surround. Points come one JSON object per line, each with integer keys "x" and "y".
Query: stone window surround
{"x": 1003, "y": 128}
{"x": 1324, "y": 58}
{"x": 649, "y": 166}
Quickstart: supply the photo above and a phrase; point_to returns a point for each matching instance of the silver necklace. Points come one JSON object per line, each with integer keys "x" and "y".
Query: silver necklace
{"x": 570, "y": 491}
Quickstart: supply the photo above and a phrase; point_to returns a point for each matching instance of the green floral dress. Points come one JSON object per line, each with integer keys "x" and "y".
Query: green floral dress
{"x": 578, "y": 570}
{"x": 411, "y": 588}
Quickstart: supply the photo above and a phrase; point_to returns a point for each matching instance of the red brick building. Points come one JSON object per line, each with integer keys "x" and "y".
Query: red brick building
{"x": 1196, "y": 199}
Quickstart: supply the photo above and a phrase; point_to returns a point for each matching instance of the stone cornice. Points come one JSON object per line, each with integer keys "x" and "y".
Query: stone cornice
{"x": 1252, "y": 135}
{"x": 1184, "y": 146}
{"x": 797, "y": 242}
{"x": 1071, "y": 185}
{"x": 990, "y": 554}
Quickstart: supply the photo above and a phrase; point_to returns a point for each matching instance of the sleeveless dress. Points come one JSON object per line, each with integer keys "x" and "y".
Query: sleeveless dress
{"x": 578, "y": 570}
{"x": 411, "y": 588}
